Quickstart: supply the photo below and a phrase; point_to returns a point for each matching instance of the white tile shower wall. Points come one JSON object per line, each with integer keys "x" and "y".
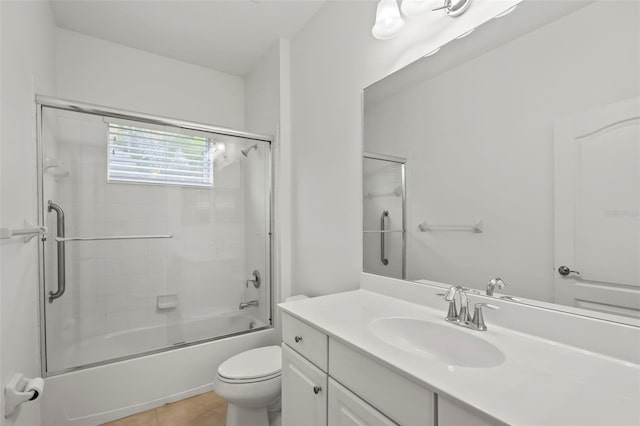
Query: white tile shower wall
{"x": 28, "y": 66}
{"x": 332, "y": 59}
{"x": 112, "y": 286}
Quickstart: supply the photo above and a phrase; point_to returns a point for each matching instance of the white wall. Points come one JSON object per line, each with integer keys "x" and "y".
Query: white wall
{"x": 28, "y": 67}
{"x": 498, "y": 166}
{"x": 262, "y": 94}
{"x": 267, "y": 111}
{"x": 333, "y": 58}
{"x": 105, "y": 73}
{"x": 262, "y": 116}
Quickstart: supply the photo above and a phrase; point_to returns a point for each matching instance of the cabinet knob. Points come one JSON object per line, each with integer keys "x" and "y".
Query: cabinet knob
{"x": 317, "y": 389}
{"x": 298, "y": 339}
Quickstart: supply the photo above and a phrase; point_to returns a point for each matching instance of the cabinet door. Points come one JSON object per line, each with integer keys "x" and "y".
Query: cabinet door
{"x": 347, "y": 409}
{"x": 304, "y": 391}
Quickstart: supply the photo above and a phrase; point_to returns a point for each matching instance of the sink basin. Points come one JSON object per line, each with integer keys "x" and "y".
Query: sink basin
{"x": 444, "y": 342}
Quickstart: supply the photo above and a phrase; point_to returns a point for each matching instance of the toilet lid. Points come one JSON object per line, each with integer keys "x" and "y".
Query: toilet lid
{"x": 252, "y": 364}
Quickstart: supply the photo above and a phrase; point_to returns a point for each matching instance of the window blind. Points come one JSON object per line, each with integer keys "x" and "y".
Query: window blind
{"x": 142, "y": 155}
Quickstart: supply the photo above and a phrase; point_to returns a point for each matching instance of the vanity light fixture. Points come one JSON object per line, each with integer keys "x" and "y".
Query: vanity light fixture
{"x": 389, "y": 22}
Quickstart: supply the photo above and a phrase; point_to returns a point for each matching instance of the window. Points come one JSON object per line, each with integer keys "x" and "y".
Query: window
{"x": 142, "y": 155}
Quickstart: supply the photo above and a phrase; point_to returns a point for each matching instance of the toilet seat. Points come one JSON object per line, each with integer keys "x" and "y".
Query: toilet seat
{"x": 254, "y": 380}
{"x": 254, "y": 365}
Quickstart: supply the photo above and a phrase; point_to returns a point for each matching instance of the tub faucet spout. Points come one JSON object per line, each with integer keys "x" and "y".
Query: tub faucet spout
{"x": 247, "y": 304}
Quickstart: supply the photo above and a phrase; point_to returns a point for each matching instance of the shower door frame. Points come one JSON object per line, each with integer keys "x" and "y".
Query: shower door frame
{"x": 42, "y": 102}
{"x": 403, "y": 168}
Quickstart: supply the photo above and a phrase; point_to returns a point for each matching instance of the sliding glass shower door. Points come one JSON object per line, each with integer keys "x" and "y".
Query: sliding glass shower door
{"x": 158, "y": 236}
{"x": 384, "y": 215}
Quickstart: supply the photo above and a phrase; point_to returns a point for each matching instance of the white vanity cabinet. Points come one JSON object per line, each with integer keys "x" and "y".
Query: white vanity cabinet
{"x": 345, "y": 408}
{"x": 326, "y": 382}
{"x": 452, "y": 413}
{"x": 304, "y": 391}
{"x": 320, "y": 376}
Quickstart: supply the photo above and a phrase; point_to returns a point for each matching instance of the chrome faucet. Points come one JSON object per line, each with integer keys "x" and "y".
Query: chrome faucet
{"x": 492, "y": 285}
{"x": 454, "y": 315}
{"x": 462, "y": 317}
{"x": 247, "y": 304}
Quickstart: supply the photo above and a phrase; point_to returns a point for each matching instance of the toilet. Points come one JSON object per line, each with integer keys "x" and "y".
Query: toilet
{"x": 250, "y": 383}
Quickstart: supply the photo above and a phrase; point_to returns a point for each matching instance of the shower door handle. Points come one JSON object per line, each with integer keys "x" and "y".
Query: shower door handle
{"x": 60, "y": 251}
{"x": 383, "y": 259}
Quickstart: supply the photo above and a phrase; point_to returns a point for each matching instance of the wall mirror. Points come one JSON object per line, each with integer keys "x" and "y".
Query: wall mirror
{"x": 521, "y": 148}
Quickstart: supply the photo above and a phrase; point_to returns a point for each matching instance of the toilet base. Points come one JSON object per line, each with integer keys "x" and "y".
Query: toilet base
{"x": 242, "y": 416}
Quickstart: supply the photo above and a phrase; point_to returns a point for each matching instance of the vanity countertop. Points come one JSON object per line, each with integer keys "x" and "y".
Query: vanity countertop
{"x": 540, "y": 382}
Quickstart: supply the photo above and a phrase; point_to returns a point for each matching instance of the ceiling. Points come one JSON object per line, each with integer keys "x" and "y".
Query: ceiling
{"x": 224, "y": 35}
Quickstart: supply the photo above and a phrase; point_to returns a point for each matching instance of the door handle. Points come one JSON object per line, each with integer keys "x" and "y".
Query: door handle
{"x": 565, "y": 270}
{"x": 60, "y": 251}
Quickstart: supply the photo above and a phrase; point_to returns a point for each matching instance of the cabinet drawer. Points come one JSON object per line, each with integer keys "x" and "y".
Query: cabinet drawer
{"x": 404, "y": 401}
{"x": 346, "y": 408}
{"x": 304, "y": 391}
{"x": 306, "y": 340}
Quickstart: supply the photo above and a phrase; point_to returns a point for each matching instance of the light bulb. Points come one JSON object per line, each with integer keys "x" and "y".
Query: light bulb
{"x": 388, "y": 20}
{"x": 414, "y": 7}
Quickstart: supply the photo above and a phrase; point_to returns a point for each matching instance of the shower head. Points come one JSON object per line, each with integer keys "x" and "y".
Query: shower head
{"x": 246, "y": 151}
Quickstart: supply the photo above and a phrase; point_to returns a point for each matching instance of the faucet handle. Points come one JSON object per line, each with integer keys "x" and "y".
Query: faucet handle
{"x": 464, "y": 317}
{"x": 477, "y": 322}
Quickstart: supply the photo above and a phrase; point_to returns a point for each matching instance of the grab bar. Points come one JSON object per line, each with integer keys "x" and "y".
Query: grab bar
{"x": 115, "y": 237}
{"x": 62, "y": 279}
{"x": 383, "y": 259}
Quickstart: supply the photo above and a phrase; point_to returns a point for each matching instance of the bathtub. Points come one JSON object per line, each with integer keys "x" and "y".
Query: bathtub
{"x": 101, "y": 393}
{"x": 138, "y": 341}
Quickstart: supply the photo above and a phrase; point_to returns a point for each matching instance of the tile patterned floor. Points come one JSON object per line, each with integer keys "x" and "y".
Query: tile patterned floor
{"x": 207, "y": 409}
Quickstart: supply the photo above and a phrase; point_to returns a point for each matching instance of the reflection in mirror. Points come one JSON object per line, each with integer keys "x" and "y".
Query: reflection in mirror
{"x": 523, "y": 149}
{"x": 384, "y": 215}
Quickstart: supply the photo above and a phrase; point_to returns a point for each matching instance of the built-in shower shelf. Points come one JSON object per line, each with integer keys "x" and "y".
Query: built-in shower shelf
{"x": 167, "y": 301}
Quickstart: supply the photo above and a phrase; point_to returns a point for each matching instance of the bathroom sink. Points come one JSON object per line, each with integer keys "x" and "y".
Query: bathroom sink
{"x": 444, "y": 342}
